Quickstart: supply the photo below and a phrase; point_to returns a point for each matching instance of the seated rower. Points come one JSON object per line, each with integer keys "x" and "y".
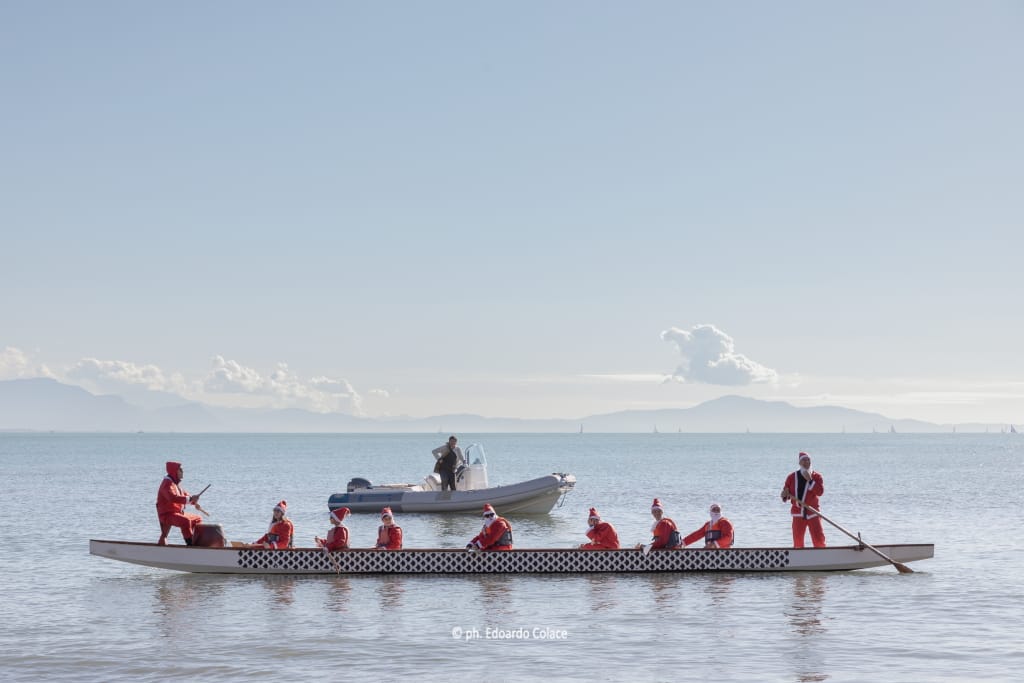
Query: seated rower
{"x": 389, "y": 534}
{"x": 602, "y": 535}
{"x": 666, "y": 536}
{"x": 337, "y": 536}
{"x": 496, "y": 533}
{"x": 281, "y": 531}
{"x": 717, "y": 532}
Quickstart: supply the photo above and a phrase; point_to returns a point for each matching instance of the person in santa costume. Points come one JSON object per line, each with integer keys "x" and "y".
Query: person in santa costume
{"x": 281, "y": 530}
{"x": 803, "y": 487}
{"x": 171, "y": 500}
{"x": 337, "y": 536}
{"x": 602, "y": 535}
{"x": 665, "y": 534}
{"x": 389, "y": 534}
{"x": 717, "y": 532}
{"x": 496, "y": 533}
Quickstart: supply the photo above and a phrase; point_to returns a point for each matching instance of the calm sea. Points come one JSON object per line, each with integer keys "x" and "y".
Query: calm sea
{"x": 960, "y": 616}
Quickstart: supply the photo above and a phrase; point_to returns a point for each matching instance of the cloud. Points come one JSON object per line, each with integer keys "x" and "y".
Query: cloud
{"x": 283, "y": 387}
{"x": 709, "y": 357}
{"x": 16, "y": 364}
{"x": 228, "y": 377}
{"x": 115, "y": 374}
{"x": 380, "y": 393}
{"x": 13, "y": 363}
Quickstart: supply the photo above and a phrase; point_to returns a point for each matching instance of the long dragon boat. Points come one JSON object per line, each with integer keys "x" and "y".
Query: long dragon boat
{"x": 244, "y": 560}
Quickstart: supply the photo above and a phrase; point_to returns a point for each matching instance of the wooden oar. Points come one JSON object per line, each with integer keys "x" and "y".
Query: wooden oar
{"x": 334, "y": 561}
{"x": 901, "y": 568}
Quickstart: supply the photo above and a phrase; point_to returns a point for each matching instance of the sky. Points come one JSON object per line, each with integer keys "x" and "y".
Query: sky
{"x": 526, "y": 210}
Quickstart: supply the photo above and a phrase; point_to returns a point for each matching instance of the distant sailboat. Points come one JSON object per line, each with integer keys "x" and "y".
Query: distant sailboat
{"x": 655, "y": 429}
{"x": 892, "y": 429}
{"x": 1013, "y": 429}
{"x": 581, "y": 429}
{"x": 954, "y": 429}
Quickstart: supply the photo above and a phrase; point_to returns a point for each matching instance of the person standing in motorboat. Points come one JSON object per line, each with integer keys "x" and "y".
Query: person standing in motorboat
{"x": 717, "y": 532}
{"x": 171, "y": 500}
{"x": 337, "y": 536}
{"x": 803, "y": 488}
{"x": 602, "y": 535}
{"x": 281, "y": 531}
{"x": 496, "y": 533}
{"x": 389, "y": 534}
{"x": 449, "y": 457}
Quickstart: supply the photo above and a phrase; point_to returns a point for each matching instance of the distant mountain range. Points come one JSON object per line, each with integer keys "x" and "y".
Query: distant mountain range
{"x": 43, "y": 404}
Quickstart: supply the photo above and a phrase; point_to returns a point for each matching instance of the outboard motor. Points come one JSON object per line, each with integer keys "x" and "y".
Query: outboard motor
{"x": 358, "y": 483}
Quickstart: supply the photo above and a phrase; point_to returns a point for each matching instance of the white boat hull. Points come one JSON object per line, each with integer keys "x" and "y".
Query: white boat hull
{"x": 536, "y": 496}
{"x": 541, "y": 561}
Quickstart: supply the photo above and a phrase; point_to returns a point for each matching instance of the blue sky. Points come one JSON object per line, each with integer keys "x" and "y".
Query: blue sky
{"x": 423, "y": 208}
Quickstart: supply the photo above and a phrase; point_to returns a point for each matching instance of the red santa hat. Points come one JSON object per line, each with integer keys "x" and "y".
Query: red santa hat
{"x": 656, "y": 505}
{"x": 340, "y": 513}
{"x": 593, "y": 514}
{"x": 802, "y": 456}
{"x": 386, "y": 512}
{"x": 172, "y": 468}
{"x": 489, "y": 510}
{"x": 282, "y": 506}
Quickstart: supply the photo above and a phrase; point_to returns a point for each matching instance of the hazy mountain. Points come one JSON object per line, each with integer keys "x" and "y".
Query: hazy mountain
{"x": 46, "y": 404}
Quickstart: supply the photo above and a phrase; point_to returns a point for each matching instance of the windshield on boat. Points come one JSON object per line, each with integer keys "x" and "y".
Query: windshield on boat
{"x": 475, "y": 454}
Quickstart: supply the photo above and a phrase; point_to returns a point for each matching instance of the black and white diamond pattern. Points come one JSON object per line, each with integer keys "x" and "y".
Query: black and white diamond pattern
{"x": 509, "y": 562}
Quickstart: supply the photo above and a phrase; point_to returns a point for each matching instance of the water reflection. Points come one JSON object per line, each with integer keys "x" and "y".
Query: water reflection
{"x": 603, "y": 593}
{"x": 175, "y": 600}
{"x": 718, "y": 588}
{"x": 390, "y": 591}
{"x": 339, "y": 593}
{"x": 495, "y": 593}
{"x": 665, "y": 588}
{"x": 804, "y": 611}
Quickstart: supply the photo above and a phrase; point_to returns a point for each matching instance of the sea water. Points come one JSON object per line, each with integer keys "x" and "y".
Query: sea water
{"x": 71, "y": 616}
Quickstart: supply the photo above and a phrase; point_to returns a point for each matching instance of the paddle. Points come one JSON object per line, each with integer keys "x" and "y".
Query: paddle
{"x": 901, "y": 568}
{"x": 196, "y": 504}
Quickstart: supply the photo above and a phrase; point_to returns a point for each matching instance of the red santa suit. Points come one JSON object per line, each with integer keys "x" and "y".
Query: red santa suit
{"x": 662, "y": 534}
{"x": 337, "y": 536}
{"x": 279, "y": 535}
{"x": 663, "y": 530}
{"x": 800, "y": 488}
{"x": 716, "y": 534}
{"x": 281, "y": 531}
{"x": 337, "y": 539}
{"x": 602, "y": 537}
{"x": 170, "y": 505}
{"x": 389, "y": 537}
{"x": 496, "y": 533}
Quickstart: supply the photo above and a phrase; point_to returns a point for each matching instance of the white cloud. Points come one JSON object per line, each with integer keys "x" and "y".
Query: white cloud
{"x": 114, "y": 374}
{"x": 283, "y": 387}
{"x": 16, "y": 364}
{"x": 13, "y": 363}
{"x": 228, "y": 377}
{"x": 709, "y": 356}
{"x": 380, "y": 393}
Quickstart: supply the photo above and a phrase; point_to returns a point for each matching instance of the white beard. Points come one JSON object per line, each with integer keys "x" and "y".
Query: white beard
{"x": 489, "y": 521}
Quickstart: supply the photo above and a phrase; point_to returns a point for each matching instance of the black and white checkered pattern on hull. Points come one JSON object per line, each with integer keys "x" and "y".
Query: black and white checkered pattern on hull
{"x": 511, "y": 562}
